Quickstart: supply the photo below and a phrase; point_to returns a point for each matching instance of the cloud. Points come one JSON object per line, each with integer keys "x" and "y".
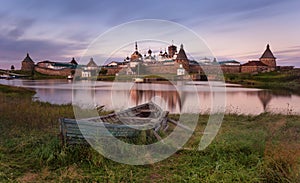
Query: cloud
{"x": 13, "y": 27}
{"x": 59, "y": 28}
{"x": 14, "y": 50}
{"x": 295, "y": 50}
{"x": 15, "y": 33}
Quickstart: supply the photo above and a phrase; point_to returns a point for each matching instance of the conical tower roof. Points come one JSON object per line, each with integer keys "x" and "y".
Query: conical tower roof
{"x": 73, "y": 61}
{"x": 27, "y": 58}
{"x": 181, "y": 54}
{"x": 268, "y": 53}
{"x": 92, "y": 63}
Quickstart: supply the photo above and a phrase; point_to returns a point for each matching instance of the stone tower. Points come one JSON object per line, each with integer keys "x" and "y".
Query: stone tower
{"x": 27, "y": 64}
{"x": 182, "y": 59}
{"x": 268, "y": 58}
{"x": 172, "y": 50}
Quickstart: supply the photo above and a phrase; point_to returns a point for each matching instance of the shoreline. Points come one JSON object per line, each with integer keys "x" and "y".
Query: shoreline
{"x": 268, "y": 80}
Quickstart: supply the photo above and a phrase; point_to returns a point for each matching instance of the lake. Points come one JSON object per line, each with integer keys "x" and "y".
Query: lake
{"x": 196, "y": 97}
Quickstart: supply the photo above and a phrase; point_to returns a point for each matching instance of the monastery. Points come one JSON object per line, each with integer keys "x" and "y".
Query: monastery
{"x": 167, "y": 62}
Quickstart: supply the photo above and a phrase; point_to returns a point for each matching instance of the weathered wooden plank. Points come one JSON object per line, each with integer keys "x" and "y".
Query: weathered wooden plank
{"x": 100, "y": 131}
{"x": 72, "y": 134}
{"x": 137, "y": 118}
{"x": 90, "y": 124}
{"x": 158, "y": 137}
{"x": 179, "y": 125}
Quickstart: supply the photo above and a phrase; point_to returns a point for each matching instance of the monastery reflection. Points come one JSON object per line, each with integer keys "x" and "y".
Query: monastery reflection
{"x": 172, "y": 98}
{"x": 265, "y": 96}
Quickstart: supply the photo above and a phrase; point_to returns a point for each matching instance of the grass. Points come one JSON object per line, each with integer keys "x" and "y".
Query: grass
{"x": 36, "y": 75}
{"x": 12, "y": 91}
{"x": 283, "y": 80}
{"x": 263, "y": 148}
{"x": 106, "y": 78}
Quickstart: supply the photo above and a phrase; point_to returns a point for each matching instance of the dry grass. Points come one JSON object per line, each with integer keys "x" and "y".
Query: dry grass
{"x": 282, "y": 152}
{"x": 28, "y": 177}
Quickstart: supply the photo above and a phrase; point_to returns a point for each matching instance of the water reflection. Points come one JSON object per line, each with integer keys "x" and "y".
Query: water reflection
{"x": 265, "y": 97}
{"x": 173, "y": 97}
{"x": 170, "y": 97}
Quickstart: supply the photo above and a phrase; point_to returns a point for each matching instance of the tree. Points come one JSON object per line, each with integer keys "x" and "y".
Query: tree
{"x": 12, "y": 67}
{"x": 103, "y": 71}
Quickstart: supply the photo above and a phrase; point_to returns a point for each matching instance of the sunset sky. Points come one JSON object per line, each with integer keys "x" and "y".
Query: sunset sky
{"x": 233, "y": 29}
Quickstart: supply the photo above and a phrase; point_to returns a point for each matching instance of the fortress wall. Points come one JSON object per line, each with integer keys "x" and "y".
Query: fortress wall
{"x": 113, "y": 70}
{"x": 172, "y": 69}
{"x": 253, "y": 69}
{"x": 161, "y": 69}
{"x": 232, "y": 69}
{"x": 52, "y": 72}
{"x": 214, "y": 69}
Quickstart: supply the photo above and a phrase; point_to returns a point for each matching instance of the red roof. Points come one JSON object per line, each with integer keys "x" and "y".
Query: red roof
{"x": 254, "y": 63}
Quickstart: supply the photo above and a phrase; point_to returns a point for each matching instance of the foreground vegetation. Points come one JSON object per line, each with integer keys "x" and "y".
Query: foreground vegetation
{"x": 264, "y": 148}
{"x": 284, "y": 80}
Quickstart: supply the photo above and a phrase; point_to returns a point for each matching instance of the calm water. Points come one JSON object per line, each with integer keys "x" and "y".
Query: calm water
{"x": 192, "y": 97}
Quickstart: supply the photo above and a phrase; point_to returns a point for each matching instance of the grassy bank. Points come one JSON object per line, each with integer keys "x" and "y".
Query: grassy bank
{"x": 36, "y": 75}
{"x": 264, "y": 148}
{"x": 17, "y": 91}
{"x": 284, "y": 80}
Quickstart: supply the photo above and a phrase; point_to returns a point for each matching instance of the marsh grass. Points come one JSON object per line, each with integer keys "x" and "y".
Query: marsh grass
{"x": 263, "y": 148}
{"x": 277, "y": 80}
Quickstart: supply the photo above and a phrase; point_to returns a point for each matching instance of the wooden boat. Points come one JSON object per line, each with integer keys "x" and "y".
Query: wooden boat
{"x": 70, "y": 77}
{"x": 127, "y": 123}
{"x": 10, "y": 77}
{"x": 138, "y": 80}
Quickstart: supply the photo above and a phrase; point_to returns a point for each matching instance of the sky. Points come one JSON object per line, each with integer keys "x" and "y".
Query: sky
{"x": 232, "y": 29}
